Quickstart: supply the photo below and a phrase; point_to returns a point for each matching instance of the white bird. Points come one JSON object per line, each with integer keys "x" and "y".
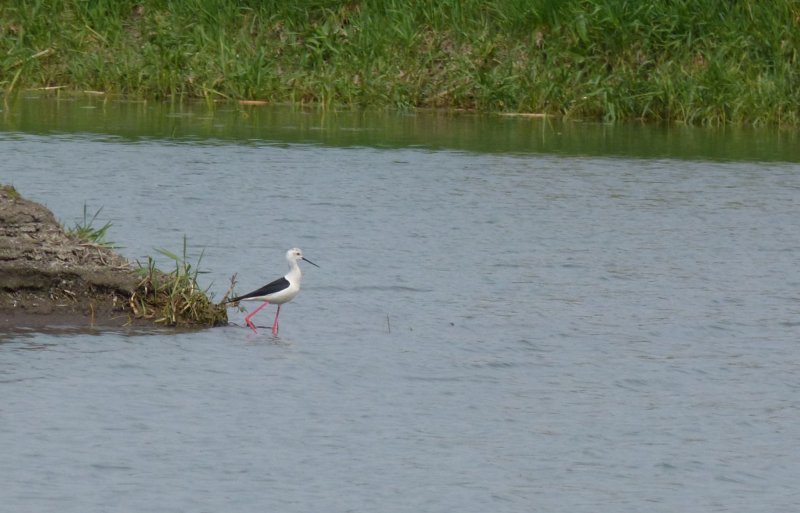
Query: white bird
{"x": 277, "y": 292}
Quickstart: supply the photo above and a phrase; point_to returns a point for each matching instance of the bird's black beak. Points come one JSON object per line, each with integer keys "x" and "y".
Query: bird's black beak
{"x": 310, "y": 262}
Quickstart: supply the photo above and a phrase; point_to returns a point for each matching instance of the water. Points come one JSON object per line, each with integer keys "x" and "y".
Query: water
{"x": 490, "y": 330}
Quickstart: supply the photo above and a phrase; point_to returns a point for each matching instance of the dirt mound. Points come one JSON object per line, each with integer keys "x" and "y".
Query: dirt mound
{"x": 48, "y": 277}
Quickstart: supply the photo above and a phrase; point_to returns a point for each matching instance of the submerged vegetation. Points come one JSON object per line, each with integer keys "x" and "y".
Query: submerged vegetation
{"x": 691, "y": 61}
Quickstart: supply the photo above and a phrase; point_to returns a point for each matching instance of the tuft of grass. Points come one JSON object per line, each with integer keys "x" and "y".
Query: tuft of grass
{"x": 9, "y": 191}
{"x": 174, "y": 298}
{"x": 86, "y": 230}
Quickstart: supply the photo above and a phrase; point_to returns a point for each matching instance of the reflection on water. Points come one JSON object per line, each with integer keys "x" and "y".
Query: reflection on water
{"x": 225, "y": 122}
{"x": 501, "y": 321}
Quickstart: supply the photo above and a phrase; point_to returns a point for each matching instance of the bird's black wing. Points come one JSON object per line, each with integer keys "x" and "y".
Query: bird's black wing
{"x": 269, "y": 288}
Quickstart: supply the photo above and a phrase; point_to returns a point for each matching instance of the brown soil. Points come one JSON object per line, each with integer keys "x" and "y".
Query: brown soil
{"x": 49, "y": 278}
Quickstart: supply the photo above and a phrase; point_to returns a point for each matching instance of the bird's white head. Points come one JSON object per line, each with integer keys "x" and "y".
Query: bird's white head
{"x": 294, "y": 255}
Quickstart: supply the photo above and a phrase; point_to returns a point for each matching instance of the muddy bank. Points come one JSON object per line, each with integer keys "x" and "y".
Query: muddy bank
{"x": 48, "y": 277}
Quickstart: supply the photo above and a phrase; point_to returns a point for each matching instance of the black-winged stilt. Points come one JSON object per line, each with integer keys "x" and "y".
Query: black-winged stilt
{"x": 279, "y": 291}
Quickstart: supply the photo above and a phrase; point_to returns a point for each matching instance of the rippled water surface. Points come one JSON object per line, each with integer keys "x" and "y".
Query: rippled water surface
{"x": 548, "y": 330}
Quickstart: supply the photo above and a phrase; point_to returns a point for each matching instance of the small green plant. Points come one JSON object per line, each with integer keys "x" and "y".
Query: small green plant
{"x": 175, "y": 298}
{"x": 85, "y": 230}
{"x": 10, "y": 191}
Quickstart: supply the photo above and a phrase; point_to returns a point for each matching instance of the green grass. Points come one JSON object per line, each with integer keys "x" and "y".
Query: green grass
{"x": 174, "y": 298}
{"x": 169, "y": 298}
{"x": 691, "y": 61}
{"x": 87, "y": 231}
{"x": 9, "y": 191}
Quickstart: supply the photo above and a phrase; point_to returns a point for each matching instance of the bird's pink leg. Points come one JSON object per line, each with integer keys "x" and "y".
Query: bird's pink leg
{"x": 251, "y": 314}
{"x": 275, "y": 324}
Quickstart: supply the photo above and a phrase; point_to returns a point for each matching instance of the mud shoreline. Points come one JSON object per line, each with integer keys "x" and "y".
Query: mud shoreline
{"x": 50, "y": 278}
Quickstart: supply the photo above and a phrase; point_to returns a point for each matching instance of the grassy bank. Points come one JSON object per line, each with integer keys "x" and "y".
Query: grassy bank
{"x": 169, "y": 298}
{"x": 693, "y": 61}
{"x": 49, "y": 274}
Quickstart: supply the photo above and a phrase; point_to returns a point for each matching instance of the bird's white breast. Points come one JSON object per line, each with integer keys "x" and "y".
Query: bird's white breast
{"x": 285, "y": 295}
